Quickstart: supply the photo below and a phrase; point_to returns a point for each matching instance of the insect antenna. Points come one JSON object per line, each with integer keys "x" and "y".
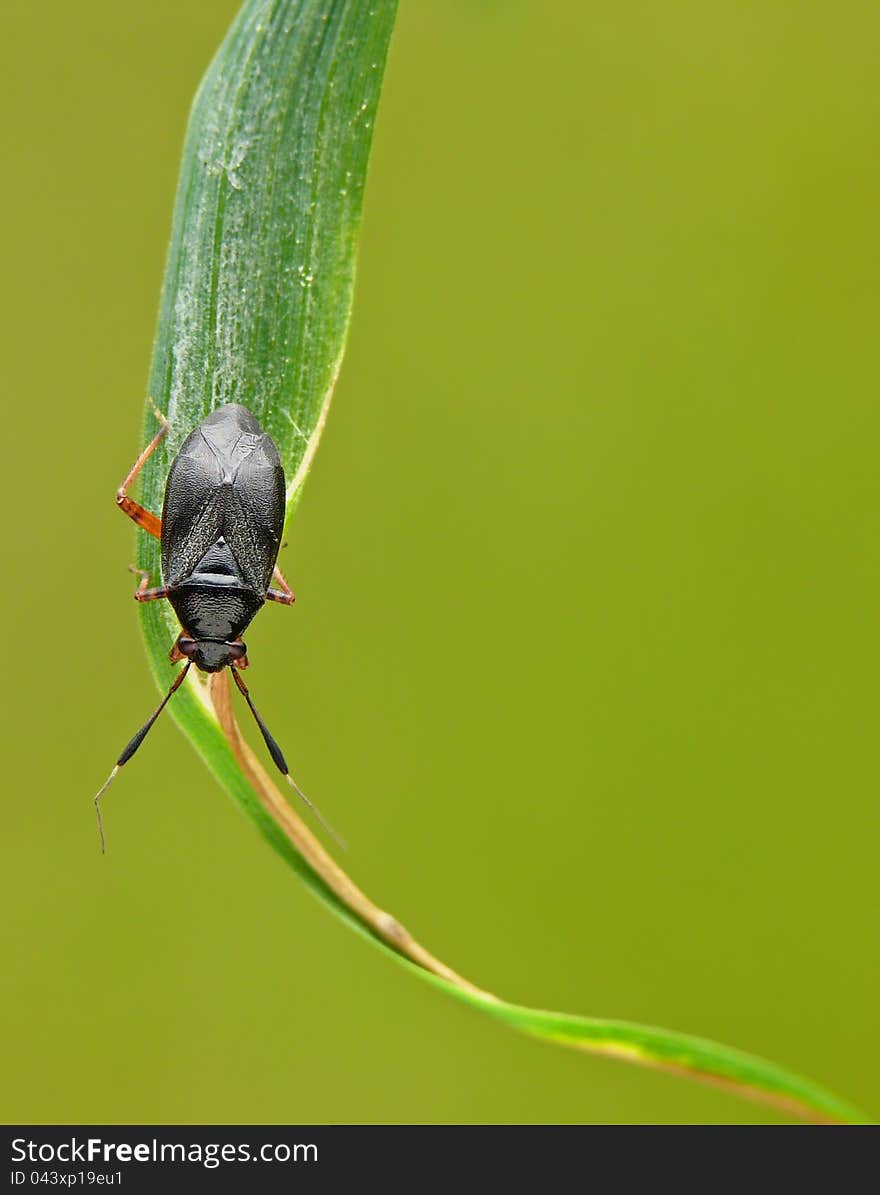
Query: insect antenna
{"x": 133, "y": 746}
{"x": 280, "y": 762}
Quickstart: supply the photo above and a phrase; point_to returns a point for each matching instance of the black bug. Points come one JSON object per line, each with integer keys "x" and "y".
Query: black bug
{"x": 220, "y": 533}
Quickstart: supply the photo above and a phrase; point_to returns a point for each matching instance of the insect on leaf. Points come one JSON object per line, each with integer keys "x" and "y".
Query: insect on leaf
{"x": 254, "y": 310}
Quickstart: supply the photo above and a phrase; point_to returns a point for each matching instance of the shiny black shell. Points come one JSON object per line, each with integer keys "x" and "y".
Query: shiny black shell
{"x": 221, "y": 524}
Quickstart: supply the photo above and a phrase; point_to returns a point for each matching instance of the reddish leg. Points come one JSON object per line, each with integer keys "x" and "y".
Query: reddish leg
{"x": 285, "y": 594}
{"x": 143, "y": 593}
{"x": 144, "y": 518}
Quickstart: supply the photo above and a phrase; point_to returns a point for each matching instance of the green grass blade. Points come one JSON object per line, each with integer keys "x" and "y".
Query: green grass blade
{"x": 255, "y": 307}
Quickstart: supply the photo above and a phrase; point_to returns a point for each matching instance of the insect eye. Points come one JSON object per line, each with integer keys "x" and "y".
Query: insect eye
{"x": 237, "y": 651}
{"x": 186, "y": 646}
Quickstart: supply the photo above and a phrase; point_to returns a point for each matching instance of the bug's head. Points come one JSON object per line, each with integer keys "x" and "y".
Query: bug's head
{"x": 210, "y": 655}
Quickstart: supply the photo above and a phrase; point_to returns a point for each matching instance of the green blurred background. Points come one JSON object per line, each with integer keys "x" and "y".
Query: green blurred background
{"x": 585, "y": 654}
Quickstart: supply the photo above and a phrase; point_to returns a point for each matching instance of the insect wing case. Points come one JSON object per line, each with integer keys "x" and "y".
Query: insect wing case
{"x": 226, "y": 481}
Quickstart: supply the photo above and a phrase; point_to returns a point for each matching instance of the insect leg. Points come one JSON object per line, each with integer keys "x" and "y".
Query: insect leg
{"x": 285, "y": 594}
{"x": 144, "y": 518}
{"x": 143, "y": 593}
